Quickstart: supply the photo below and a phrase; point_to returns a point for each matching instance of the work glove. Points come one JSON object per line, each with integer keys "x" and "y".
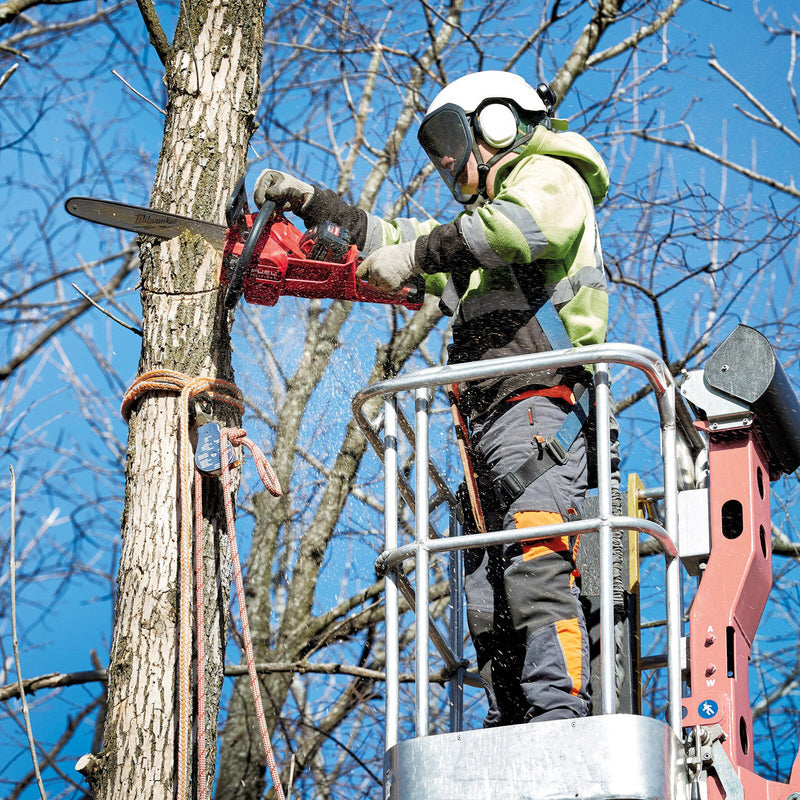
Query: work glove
{"x": 390, "y": 267}
{"x": 286, "y": 191}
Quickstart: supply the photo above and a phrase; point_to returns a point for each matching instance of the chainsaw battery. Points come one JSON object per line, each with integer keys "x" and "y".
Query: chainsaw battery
{"x": 326, "y": 241}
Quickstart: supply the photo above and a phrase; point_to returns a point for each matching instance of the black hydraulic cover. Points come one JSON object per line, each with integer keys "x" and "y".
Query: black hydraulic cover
{"x": 746, "y": 368}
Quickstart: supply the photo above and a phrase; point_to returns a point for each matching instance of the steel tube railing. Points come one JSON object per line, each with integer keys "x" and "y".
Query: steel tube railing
{"x": 605, "y": 523}
{"x": 607, "y": 666}
{"x": 390, "y": 559}
{"x": 669, "y": 436}
{"x": 630, "y": 355}
{"x": 456, "y": 576}
{"x": 391, "y": 589}
{"x": 422, "y": 559}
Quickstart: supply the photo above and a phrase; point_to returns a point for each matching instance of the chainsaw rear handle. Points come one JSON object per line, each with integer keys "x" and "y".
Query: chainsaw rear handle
{"x": 236, "y": 282}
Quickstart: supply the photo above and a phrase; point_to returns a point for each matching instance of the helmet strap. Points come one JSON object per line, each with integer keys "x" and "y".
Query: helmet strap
{"x": 485, "y": 166}
{"x": 483, "y": 174}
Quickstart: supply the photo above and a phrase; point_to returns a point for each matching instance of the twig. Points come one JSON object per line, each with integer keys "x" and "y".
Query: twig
{"x": 161, "y": 110}
{"x": 74, "y": 723}
{"x": 46, "y": 335}
{"x": 15, "y": 644}
{"x": 290, "y": 781}
{"x": 7, "y": 74}
{"x": 138, "y": 94}
{"x": 6, "y": 48}
{"x": 769, "y": 117}
{"x": 83, "y": 294}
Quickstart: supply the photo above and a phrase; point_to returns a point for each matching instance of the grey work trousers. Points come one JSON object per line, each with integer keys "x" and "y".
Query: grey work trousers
{"x": 523, "y": 606}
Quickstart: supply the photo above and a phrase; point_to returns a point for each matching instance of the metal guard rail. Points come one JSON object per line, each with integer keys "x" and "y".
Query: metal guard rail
{"x": 605, "y": 523}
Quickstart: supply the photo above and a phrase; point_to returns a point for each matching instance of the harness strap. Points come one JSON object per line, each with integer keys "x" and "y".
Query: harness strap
{"x": 552, "y": 450}
{"x": 553, "y": 326}
{"x": 555, "y": 448}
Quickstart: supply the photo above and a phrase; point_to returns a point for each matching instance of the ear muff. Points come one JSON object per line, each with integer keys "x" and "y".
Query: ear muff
{"x": 496, "y": 124}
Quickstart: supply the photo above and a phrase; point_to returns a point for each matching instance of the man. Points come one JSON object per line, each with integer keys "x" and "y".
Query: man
{"x": 526, "y": 244}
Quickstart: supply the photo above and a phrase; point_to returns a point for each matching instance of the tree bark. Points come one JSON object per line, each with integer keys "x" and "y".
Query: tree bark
{"x": 212, "y": 83}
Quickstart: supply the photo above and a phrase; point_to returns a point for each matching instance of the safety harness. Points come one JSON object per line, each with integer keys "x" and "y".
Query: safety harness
{"x": 554, "y": 448}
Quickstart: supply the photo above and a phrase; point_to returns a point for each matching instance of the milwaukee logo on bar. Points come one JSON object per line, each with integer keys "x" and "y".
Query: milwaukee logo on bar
{"x": 152, "y": 219}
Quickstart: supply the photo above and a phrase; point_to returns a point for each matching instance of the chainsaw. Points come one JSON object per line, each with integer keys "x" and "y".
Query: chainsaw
{"x": 264, "y": 255}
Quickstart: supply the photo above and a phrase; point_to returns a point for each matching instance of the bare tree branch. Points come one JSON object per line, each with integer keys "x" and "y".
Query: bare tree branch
{"x": 15, "y": 641}
{"x": 4, "y": 78}
{"x": 640, "y": 35}
{"x": 769, "y": 118}
{"x": 12, "y": 8}
{"x": 157, "y": 36}
{"x": 692, "y": 146}
{"x": 130, "y": 263}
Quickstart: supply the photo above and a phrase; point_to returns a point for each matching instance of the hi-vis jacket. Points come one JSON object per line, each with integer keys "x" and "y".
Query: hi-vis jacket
{"x": 496, "y": 264}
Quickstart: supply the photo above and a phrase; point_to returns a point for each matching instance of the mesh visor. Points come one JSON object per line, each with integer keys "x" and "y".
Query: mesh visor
{"x": 446, "y": 137}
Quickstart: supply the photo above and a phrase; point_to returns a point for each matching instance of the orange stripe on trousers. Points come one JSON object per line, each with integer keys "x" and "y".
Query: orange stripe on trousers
{"x": 540, "y": 547}
{"x": 569, "y": 635}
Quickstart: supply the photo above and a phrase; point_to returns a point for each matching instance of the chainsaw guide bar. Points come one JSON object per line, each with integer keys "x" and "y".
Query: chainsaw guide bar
{"x": 146, "y": 221}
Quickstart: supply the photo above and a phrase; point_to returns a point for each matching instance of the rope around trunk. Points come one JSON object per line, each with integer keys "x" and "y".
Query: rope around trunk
{"x": 191, "y": 529}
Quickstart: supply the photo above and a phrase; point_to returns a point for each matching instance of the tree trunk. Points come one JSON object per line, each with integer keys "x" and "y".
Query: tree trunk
{"x": 212, "y": 78}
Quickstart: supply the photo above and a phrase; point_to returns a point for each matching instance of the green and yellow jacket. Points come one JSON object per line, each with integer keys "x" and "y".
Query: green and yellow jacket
{"x": 496, "y": 264}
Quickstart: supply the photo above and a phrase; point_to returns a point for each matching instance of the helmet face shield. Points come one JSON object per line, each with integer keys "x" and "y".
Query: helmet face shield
{"x": 446, "y": 137}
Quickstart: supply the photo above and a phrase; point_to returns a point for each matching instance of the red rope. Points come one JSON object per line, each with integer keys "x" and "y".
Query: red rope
{"x": 202, "y": 778}
{"x": 268, "y": 477}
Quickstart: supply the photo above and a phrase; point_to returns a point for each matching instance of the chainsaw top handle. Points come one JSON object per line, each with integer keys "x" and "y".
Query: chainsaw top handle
{"x": 236, "y": 283}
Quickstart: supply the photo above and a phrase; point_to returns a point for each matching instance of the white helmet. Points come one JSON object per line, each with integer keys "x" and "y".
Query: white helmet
{"x": 499, "y": 107}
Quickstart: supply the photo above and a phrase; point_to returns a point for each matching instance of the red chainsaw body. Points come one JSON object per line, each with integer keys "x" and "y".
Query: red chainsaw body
{"x": 279, "y": 266}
